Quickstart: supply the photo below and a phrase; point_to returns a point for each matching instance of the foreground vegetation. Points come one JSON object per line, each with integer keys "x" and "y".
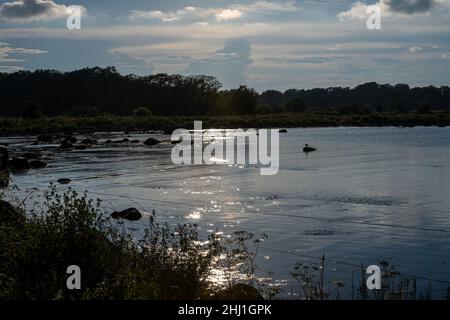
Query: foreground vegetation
{"x": 159, "y": 262}
{"x": 73, "y": 230}
{"x": 168, "y": 124}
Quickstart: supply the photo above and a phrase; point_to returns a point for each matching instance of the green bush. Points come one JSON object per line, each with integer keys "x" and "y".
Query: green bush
{"x": 142, "y": 112}
{"x": 72, "y": 229}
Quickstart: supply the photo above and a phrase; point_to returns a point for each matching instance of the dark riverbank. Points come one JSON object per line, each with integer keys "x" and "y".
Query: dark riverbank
{"x": 9, "y": 126}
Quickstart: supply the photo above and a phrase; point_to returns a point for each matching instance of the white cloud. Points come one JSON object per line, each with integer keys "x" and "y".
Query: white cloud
{"x": 446, "y": 56}
{"x": 5, "y": 55}
{"x": 33, "y": 10}
{"x": 415, "y": 49}
{"x": 359, "y": 11}
{"x": 229, "y": 14}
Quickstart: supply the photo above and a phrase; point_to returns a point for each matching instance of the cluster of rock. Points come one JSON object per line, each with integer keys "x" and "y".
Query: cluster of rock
{"x": 25, "y": 161}
{"x": 32, "y": 160}
{"x": 71, "y": 143}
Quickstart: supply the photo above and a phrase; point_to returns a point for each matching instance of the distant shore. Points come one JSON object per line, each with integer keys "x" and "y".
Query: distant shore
{"x": 11, "y": 126}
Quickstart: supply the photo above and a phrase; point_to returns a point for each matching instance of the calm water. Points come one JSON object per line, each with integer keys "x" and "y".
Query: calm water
{"x": 366, "y": 195}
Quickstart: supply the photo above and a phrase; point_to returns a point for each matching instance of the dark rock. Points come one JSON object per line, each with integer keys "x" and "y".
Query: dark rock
{"x": 31, "y": 155}
{"x": 88, "y": 141}
{"x": 132, "y": 214}
{"x": 70, "y": 139}
{"x": 10, "y": 215}
{"x": 283, "y": 131}
{"x": 4, "y": 158}
{"x": 37, "y": 164}
{"x": 45, "y": 138}
{"x": 64, "y": 181}
{"x": 66, "y": 145}
{"x": 307, "y": 148}
{"x": 240, "y": 292}
{"x": 19, "y": 164}
{"x": 151, "y": 142}
{"x": 80, "y": 147}
{"x": 126, "y": 140}
{"x": 108, "y": 141}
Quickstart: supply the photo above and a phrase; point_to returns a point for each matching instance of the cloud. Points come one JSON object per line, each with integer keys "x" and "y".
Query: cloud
{"x": 230, "y": 12}
{"x": 228, "y": 64}
{"x": 446, "y": 56}
{"x": 394, "y": 8}
{"x": 32, "y": 10}
{"x": 10, "y": 69}
{"x": 415, "y": 49}
{"x": 359, "y": 11}
{"x": 410, "y": 6}
{"x": 6, "y": 52}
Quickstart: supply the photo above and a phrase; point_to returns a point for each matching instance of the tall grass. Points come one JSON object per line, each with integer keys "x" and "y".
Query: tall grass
{"x": 162, "y": 262}
{"x": 71, "y": 229}
{"x": 166, "y": 123}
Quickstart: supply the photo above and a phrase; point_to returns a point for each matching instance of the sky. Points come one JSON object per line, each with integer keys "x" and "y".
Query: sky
{"x": 264, "y": 44}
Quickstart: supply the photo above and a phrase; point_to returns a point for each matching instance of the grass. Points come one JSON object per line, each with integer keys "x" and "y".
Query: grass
{"x": 168, "y": 124}
{"x": 70, "y": 229}
{"x": 159, "y": 263}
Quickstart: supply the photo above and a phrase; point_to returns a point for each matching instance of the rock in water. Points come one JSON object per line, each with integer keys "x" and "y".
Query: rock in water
{"x": 88, "y": 141}
{"x": 19, "y": 164}
{"x": 36, "y": 164}
{"x": 66, "y": 145}
{"x": 308, "y": 148}
{"x": 131, "y": 214}
{"x": 4, "y": 158}
{"x": 283, "y": 131}
{"x": 31, "y": 155}
{"x": 151, "y": 142}
{"x": 70, "y": 139}
{"x": 45, "y": 138}
{"x": 64, "y": 181}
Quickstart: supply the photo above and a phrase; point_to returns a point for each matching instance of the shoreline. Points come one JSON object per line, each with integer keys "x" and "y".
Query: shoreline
{"x": 85, "y": 125}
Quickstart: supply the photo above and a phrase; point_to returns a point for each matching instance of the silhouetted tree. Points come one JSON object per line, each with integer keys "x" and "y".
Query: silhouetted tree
{"x": 31, "y": 110}
{"x": 106, "y": 91}
{"x": 296, "y": 105}
{"x": 244, "y": 100}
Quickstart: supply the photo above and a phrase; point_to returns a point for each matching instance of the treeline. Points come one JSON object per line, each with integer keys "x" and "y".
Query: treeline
{"x": 99, "y": 91}
{"x": 365, "y": 98}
